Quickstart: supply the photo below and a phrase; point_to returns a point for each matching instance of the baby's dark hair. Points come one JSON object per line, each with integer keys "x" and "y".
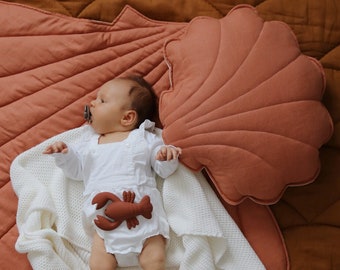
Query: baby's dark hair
{"x": 143, "y": 99}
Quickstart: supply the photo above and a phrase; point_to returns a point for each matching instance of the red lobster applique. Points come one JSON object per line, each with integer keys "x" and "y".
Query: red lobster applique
{"x": 119, "y": 210}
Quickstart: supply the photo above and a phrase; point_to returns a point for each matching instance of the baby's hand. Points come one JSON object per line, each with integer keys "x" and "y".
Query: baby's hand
{"x": 57, "y": 147}
{"x": 168, "y": 152}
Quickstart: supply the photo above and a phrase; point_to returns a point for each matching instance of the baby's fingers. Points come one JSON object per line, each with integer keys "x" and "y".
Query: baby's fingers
{"x": 58, "y": 147}
{"x": 162, "y": 154}
{"x": 48, "y": 150}
{"x": 172, "y": 152}
{"x": 176, "y": 151}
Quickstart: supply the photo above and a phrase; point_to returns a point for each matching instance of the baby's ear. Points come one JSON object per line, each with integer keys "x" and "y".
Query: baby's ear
{"x": 129, "y": 118}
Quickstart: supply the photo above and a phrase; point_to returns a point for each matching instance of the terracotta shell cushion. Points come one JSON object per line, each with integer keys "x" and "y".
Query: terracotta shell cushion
{"x": 245, "y": 105}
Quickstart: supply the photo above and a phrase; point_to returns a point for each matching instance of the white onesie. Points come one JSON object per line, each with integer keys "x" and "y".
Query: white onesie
{"x": 129, "y": 165}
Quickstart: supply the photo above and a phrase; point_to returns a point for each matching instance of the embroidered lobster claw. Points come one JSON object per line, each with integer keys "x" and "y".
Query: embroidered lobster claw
{"x": 117, "y": 210}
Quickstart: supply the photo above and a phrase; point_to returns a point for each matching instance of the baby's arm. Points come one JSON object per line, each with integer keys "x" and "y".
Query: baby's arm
{"x": 66, "y": 158}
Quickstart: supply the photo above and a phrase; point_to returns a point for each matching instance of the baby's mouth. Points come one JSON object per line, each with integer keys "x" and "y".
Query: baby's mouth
{"x": 87, "y": 113}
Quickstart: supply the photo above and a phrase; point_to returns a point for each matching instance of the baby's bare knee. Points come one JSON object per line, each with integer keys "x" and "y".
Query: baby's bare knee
{"x": 98, "y": 264}
{"x": 153, "y": 255}
{"x": 155, "y": 261}
{"x": 100, "y": 259}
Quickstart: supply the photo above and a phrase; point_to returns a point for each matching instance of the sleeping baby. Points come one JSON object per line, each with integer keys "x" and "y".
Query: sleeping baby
{"x": 120, "y": 154}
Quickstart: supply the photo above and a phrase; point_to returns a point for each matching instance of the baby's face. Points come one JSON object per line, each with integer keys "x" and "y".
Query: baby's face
{"x": 108, "y": 108}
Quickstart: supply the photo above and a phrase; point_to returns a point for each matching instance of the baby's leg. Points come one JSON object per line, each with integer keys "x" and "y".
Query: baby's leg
{"x": 100, "y": 259}
{"x": 153, "y": 255}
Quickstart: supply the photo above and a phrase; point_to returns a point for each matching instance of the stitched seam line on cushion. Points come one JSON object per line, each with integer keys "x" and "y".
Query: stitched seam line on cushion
{"x": 159, "y": 31}
{"x": 113, "y": 29}
{"x": 234, "y": 147}
{"x": 214, "y": 66}
{"x": 307, "y": 223}
{"x": 310, "y": 225}
{"x": 274, "y": 73}
{"x": 12, "y": 224}
{"x": 52, "y": 113}
{"x": 214, "y": 7}
{"x": 293, "y": 209}
{"x": 87, "y": 69}
{"x": 80, "y": 11}
{"x": 8, "y": 230}
{"x": 111, "y": 60}
{"x": 259, "y": 108}
{"x": 246, "y": 92}
{"x": 150, "y": 44}
{"x": 192, "y": 94}
{"x": 64, "y": 7}
{"x": 192, "y": 138}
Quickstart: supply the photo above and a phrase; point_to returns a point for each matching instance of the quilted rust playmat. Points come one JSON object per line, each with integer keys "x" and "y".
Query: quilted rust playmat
{"x": 40, "y": 51}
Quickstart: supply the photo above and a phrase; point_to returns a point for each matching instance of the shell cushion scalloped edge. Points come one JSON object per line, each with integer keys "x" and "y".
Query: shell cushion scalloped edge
{"x": 245, "y": 104}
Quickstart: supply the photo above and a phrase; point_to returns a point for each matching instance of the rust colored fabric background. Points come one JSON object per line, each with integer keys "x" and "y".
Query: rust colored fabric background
{"x": 308, "y": 216}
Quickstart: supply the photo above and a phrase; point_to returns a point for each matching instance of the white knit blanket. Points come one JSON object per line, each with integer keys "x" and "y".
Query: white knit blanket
{"x": 203, "y": 235}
